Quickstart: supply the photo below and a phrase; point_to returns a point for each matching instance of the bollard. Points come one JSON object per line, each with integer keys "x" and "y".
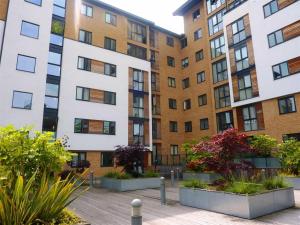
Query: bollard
{"x": 263, "y": 174}
{"x": 136, "y": 212}
{"x": 177, "y": 174}
{"x": 162, "y": 191}
{"x": 91, "y": 179}
{"x": 172, "y": 178}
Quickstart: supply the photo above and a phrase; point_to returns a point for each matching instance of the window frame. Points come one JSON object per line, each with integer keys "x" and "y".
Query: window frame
{"x": 86, "y": 10}
{"x": 170, "y": 61}
{"x": 188, "y": 127}
{"x": 38, "y": 30}
{"x": 220, "y": 50}
{"x": 198, "y": 34}
{"x": 219, "y": 73}
{"x": 251, "y": 119}
{"x": 204, "y": 124}
{"x": 173, "y": 126}
{"x": 215, "y": 21}
{"x": 202, "y": 100}
{"x": 172, "y": 82}
{"x": 220, "y": 116}
{"x": 85, "y": 37}
{"x": 140, "y": 109}
{"x": 112, "y": 44}
{"x": 239, "y": 31}
{"x": 186, "y": 83}
{"x": 168, "y": 42}
{"x": 187, "y": 104}
{"x": 185, "y": 63}
{"x": 244, "y": 89}
{"x": 269, "y": 5}
{"x": 172, "y": 103}
{"x": 225, "y": 98}
{"x": 276, "y": 42}
{"x": 111, "y": 15}
{"x": 22, "y": 92}
{"x": 102, "y": 161}
{"x": 30, "y": 2}
{"x": 176, "y": 148}
{"x": 196, "y": 15}
{"x": 285, "y": 99}
{"x": 26, "y": 56}
{"x": 280, "y": 68}
{"x": 199, "y": 55}
{"x": 202, "y": 75}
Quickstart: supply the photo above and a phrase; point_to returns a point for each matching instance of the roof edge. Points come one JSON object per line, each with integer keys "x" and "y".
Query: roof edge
{"x": 185, "y": 7}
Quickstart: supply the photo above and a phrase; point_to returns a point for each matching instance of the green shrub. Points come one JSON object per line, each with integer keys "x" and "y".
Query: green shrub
{"x": 27, "y": 203}
{"x": 289, "y": 153}
{"x": 150, "y": 173}
{"x": 194, "y": 184}
{"x": 274, "y": 183}
{"x": 243, "y": 187}
{"x": 263, "y": 144}
{"x": 118, "y": 175}
{"x": 66, "y": 218}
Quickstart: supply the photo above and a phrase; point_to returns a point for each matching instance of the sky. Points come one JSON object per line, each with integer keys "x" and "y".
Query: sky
{"x": 158, "y": 11}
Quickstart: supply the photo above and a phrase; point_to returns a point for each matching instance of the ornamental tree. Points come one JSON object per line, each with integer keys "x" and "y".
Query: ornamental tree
{"x": 131, "y": 158}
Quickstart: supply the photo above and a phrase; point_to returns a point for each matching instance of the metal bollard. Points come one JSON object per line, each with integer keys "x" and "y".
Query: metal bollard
{"x": 177, "y": 174}
{"x": 91, "y": 179}
{"x": 136, "y": 212}
{"x": 172, "y": 178}
{"x": 162, "y": 191}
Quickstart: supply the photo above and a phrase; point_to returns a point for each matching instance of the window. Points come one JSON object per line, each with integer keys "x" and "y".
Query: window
{"x": 107, "y": 159}
{"x": 220, "y": 71}
{"x": 202, "y": 100}
{"x": 204, "y": 124}
{"x": 245, "y": 87}
{"x": 54, "y": 58}
{"x": 213, "y": 5}
{"x": 138, "y": 133}
{"x": 26, "y": 63}
{"x": 56, "y": 39}
{"x": 187, "y": 104}
{"x": 83, "y": 94}
{"x": 174, "y": 150}
{"x": 224, "y": 120}
{"x": 188, "y": 126}
{"x": 137, "y": 32}
{"x": 110, "y": 69}
{"x": 185, "y": 83}
{"x": 111, "y": 18}
{"x": 171, "y": 82}
{"x": 53, "y": 70}
{"x": 77, "y": 159}
{"x": 110, "y": 44}
{"x": 51, "y": 103}
{"x": 171, "y": 61}
{"x": 196, "y": 15}
{"x": 172, "y": 103}
{"x": 109, "y": 98}
{"x": 97, "y": 127}
{"x": 200, "y": 77}
{"x": 61, "y": 3}
{"x": 170, "y": 41}
{"x": 217, "y": 47}
{"x": 86, "y": 10}
{"x": 197, "y": 34}
{"x": 57, "y": 27}
{"x": 281, "y": 70}
{"x": 275, "y": 38}
{"x": 22, "y": 100}
{"x": 199, "y": 55}
{"x": 215, "y": 23}
{"x": 222, "y": 96}
{"x": 238, "y": 31}
{"x": 250, "y": 118}
{"x": 138, "y": 106}
{"x": 137, "y": 51}
{"x": 84, "y": 64}
{"x": 241, "y": 58}
{"x": 183, "y": 42}
{"x": 85, "y": 36}
{"x": 59, "y": 11}
{"x": 287, "y": 105}
{"x": 138, "y": 80}
{"x": 184, "y": 63}
{"x": 30, "y": 29}
{"x": 35, "y": 2}
{"x": 51, "y": 99}
{"x": 173, "y": 126}
{"x": 270, "y": 8}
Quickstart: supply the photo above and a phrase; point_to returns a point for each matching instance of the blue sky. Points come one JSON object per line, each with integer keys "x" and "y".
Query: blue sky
{"x": 158, "y": 11}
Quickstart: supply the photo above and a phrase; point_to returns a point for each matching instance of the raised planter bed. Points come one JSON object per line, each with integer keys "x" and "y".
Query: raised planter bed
{"x": 263, "y": 163}
{"x": 208, "y": 178}
{"x": 130, "y": 184}
{"x": 294, "y": 181}
{"x": 244, "y": 206}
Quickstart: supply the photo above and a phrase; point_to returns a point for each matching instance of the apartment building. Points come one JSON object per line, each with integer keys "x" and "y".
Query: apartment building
{"x": 105, "y": 77}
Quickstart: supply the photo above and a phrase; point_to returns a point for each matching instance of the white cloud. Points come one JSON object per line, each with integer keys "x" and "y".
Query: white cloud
{"x": 158, "y": 11}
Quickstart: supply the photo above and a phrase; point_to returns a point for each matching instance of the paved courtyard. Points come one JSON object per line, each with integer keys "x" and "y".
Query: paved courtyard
{"x": 102, "y": 207}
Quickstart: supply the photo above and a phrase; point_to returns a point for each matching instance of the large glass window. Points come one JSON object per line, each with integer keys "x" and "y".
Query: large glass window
{"x": 138, "y": 106}
{"x": 109, "y": 98}
{"x": 84, "y": 63}
{"x": 287, "y": 105}
{"x": 245, "y": 87}
{"x": 26, "y": 63}
{"x": 59, "y": 11}
{"x": 86, "y": 10}
{"x": 281, "y": 70}
{"x": 184, "y": 63}
{"x": 52, "y": 90}
{"x": 215, "y": 23}
{"x": 271, "y": 8}
{"x": 53, "y": 70}
{"x": 30, "y": 29}
{"x": 83, "y": 94}
{"x": 110, "y": 69}
{"x": 220, "y": 71}
{"x": 222, "y": 96}
{"x": 85, "y": 36}
{"x": 138, "y": 133}
{"x": 238, "y": 31}
{"x": 22, "y": 100}
{"x": 213, "y": 5}
{"x": 275, "y": 38}
{"x": 217, "y": 47}
{"x": 107, "y": 159}
{"x": 102, "y": 127}
{"x": 110, "y": 44}
{"x": 138, "y": 80}
{"x": 250, "y": 118}
{"x": 137, "y": 51}
{"x": 241, "y": 58}
{"x": 54, "y": 58}
{"x": 111, "y": 18}
{"x": 137, "y": 32}
{"x": 56, "y": 39}
{"x": 51, "y": 102}
{"x": 224, "y": 120}
{"x": 61, "y": 3}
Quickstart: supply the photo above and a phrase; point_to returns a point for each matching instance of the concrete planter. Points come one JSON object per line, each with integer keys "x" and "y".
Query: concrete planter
{"x": 244, "y": 206}
{"x": 263, "y": 163}
{"x": 205, "y": 177}
{"x": 130, "y": 184}
{"x": 294, "y": 181}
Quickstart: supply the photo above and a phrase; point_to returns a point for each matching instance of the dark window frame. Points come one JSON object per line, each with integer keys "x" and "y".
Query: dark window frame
{"x": 23, "y": 92}
{"x": 280, "y": 69}
{"x": 198, "y": 34}
{"x": 199, "y": 55}
{"x": 276, "y": 42}
{"x": 202, "y": 100}
{"x": 86, "y": 40}
{"x": 220, "y": 50}
{"x": 102, "y": 161}
{"x": 202, "y": 77}
{"x": 170, "y": 41}
{"x": 112, "y": 44}
{"x": 245, "y": 88}
{"x": 225, "y": 98}
{"x": 204, "y": 124}
{"x": 196, "y": 15}
{"x": 223, "y": 73}
{"x": 250, "y": 120}
{"x": 111, "y": 15}
{"x": 172, "y": 103}
{"x": 269, "y": 5}
{"x": 285, "y": 99}
{"x": 188, "y": 127}
{"x": 86, "y": 121}
{"x": 187, "y": 104}
{"x": 26, "y": 57}
{"x": 172, "y": 82}
{"x": 30, "y": 2}
{"x": 186, "y": 83}
{"x": 86, "y": 10}
{"x": 173, "y": 126}
{"x": 240, "y": 32}
{"x": 38, "y": 30}
{"x": 170, "y": 61}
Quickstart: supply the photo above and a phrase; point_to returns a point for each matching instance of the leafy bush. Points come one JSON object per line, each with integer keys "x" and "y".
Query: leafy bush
{"x": 24, "y": 153}
{"x": 274, "y": 183}
{"x": 27, "y": 203}
{"x": 243, "y": 187}
{"x": 194, "y": 184}
{"x": 66, "y": 218}
{"x": 289, "y": 153}
{"x": 150, "y": 173}
{"x": 263, "y": 145}
{"x": 131, "y": 158}
{"x": 118, "y": 175}
{"x": 218, "y": 154}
